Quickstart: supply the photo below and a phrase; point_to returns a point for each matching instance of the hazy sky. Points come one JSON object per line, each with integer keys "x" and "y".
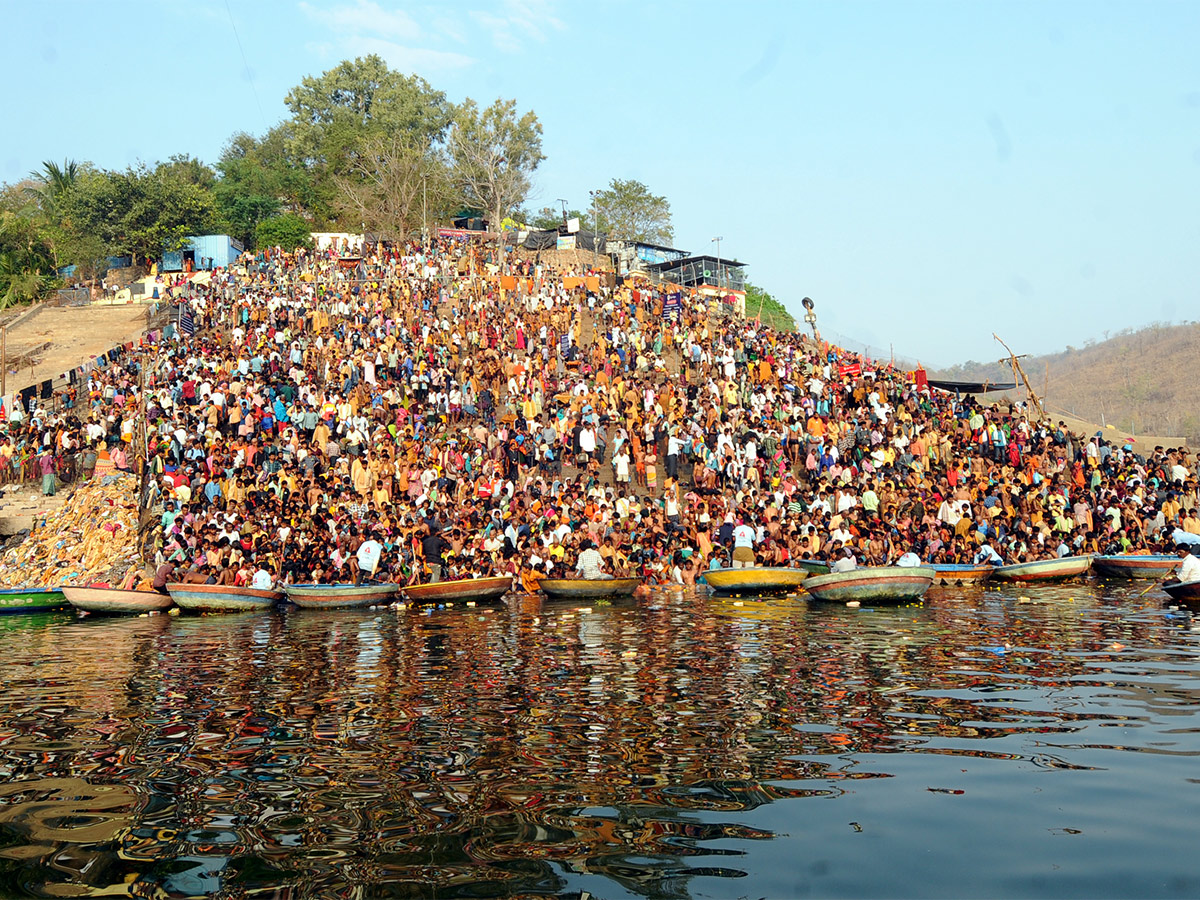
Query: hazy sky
{"x": 927, "y": 172}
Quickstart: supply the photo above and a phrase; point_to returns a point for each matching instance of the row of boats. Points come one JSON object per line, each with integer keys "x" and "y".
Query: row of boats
{"x": 228, "y": 598}
{"x": 875, "y": 584}
{"x": 908, "y": 583}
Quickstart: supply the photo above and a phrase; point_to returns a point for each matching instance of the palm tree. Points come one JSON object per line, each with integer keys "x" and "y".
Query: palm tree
{"x": 53, "y": 181}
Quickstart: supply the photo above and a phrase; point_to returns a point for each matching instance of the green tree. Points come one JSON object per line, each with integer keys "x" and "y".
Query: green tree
{"x": 629, "y": 212}
{"x": 252, "y": 187}
{"x": 550, "y": 219}
{"x": 27, "y": 270}
{"x": 288, "y": 232}
{"x": 140, "y": 212}
{"x": 188, "y": 170}
{"x": 493, "y": 154}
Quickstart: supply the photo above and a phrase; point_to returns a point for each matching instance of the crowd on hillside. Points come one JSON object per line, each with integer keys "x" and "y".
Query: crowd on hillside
{"x": 414, "y": 415}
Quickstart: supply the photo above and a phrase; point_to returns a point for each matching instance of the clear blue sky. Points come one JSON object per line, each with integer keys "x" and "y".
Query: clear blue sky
{"x": 926, "y": 172}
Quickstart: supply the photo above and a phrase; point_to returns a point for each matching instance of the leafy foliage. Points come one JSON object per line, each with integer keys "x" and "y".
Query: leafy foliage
{"x": 629, "y": 212}
{"x": 288, "y": 232}
{"x": 761, "y": 305}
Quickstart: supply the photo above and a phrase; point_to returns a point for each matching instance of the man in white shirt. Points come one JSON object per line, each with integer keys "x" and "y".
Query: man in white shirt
{"x": 1190, "y": 569}
{"x": 368, "y": 555}
{"x": 744, "y": 538}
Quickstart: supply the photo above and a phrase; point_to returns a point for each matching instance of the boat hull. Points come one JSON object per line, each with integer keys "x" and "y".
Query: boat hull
{"x": 882, "y": 584}
{"x": 588, "y": 589}
{"x": 114, "y": 601}
{"x": 755, "y": 581}
{"x": 480, "y": 590}
{"x": 1044, "y": 569}
{"x": 340, "y": 596}
{"x": 1185, "y": 591}
{"x": 30, "y": 600}
{"x": 1132, "y": 566}
{"x": 957, "y": 575}
{"x": 222, "y": 597}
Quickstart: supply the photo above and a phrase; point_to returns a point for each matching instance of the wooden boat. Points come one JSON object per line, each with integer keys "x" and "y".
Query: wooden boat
{"x": 871, "y": 584}
{"x": 960, "y": 574}
{"x": 1043, "y": 569}
{"x": 1184, "y": 591}
{"x": 31, "y": 600}
{"x": 763, "y": 580}
{"x": 340, "y": 596}
{"x": 812, "y": 566}
{"x": 115, "y": 601}
{"x": 588, "y": 588}
{"x": 480, "y": 590}
{"x": 1129, "y": 565}
{"x": 221, "y": 597}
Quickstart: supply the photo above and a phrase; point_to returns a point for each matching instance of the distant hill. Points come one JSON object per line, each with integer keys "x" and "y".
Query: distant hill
{"x": 1140, "y": 381}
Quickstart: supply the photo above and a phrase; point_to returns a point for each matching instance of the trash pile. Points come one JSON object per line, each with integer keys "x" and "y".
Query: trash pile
{"x": 92, "y": 537}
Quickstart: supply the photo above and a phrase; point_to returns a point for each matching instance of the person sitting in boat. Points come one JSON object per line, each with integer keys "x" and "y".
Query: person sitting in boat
{"x": 909, "y": 560}
{"x": 590, "y": 564}
{"x": 986, "y": 556}
{"x": 1189, "y": 569}
{"x": 262, "y": 579}
{"x": 844, "y": 561}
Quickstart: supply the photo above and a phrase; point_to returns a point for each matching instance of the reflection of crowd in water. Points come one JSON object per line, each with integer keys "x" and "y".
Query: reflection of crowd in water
{"x": 421, "y": 417}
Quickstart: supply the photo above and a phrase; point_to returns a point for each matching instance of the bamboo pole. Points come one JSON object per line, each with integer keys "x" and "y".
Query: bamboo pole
{"x": 1033, "y": 397}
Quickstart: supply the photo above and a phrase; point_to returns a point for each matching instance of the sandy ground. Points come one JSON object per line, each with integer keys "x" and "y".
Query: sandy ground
{"x": 74, "y": 335}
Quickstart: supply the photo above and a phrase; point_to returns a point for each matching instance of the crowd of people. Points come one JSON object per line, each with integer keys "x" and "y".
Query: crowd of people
{"x": 414, "y": 415}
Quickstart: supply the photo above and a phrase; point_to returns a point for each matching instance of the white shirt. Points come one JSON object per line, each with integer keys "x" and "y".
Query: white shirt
{"x": 1190, "y": 570}
{"x": 743, "y": 536}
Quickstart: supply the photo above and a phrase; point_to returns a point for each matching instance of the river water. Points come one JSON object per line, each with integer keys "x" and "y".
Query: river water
{"x": 985, "y": 743}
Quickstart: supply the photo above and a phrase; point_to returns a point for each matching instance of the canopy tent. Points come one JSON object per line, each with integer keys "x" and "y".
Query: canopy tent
{"x": 971, "y": 387}
{"x": 548, "y": 240}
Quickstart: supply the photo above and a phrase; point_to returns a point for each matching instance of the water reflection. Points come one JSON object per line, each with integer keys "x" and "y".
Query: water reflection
{"x": 535, "y": 750}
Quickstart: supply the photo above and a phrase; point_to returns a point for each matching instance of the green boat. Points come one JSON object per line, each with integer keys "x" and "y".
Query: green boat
{"x": 30, "y": 600}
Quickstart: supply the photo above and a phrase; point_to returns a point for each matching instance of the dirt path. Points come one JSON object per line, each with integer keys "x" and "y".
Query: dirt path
{"x": 62, "y": 338}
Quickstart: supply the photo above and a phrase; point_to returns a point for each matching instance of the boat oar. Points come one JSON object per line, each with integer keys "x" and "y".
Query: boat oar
{"x": 1148, "y": 590}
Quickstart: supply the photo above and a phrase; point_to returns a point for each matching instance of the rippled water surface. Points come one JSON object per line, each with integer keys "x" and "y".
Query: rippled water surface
{"x": 985, "y": 743}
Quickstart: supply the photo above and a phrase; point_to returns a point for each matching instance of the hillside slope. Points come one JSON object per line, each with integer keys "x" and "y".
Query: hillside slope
{"x": 1139, "y": 381}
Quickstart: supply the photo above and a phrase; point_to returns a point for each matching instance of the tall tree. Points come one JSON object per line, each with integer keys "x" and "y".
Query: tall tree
{"x": 631, "y": 213}
{"x": 393, "y": 185}
{"x": 367, "y": 96}
{"x": 493, "y": 154}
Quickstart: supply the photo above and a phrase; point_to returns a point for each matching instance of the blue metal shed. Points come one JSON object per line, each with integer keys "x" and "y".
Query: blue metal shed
{"x": 207, "y": 251}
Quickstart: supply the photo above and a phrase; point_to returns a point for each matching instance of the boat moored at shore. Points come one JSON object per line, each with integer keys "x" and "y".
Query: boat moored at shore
{"x": 31, "y": 600}
{"x": 1044, "y": 569}
{"x": 1132, "y": 565}
{"x": 222, "y": 597}
{"x": 340, "y": 596}
{"x": 876, "y": 584}
{"x": 763, "y": 580}
{"x": 588, "y": 588}
{"x": 115, "y": 601}
{"x": 477, "y": 590}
